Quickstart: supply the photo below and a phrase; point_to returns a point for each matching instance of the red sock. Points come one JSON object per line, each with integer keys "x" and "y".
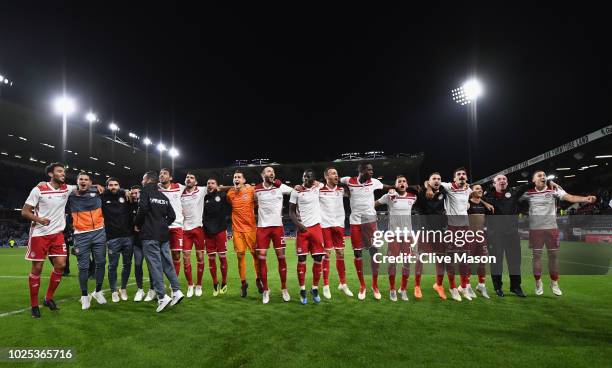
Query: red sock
{"x": 282, "y": 271}
{"x": 188, "y": 275}
{"x": 200, "y": 273}
{"x": 301, "y": 271}
{"x": 56, "y": 277}
{"x": 418, "y": 270}
{"x": 263, "y": 271}
{"x": 177, "y": 267}
{"x": 316, "y": 273}
{"x": 404, "y": 282}
{"x": 325, "y": 270}
{"x": 554, "y": 276}
{"x": 464, "y": 280}
{"x": 212, "y": 267}
{"x": 392, "y": 282}
{"x": 374, "y": 266}
{"x": 223, "y": 261}
{"x": 537, "y": 277}
{"x": 482, "y": 273}
{"x": 341, "y": 269}
{"x": 359, "y": 267}
{"x": 439, "y": 273}
{"x": 34, "y": 283}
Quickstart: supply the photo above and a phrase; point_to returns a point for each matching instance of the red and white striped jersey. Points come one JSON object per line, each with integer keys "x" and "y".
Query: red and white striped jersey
{"x": 49, "y": 203}
{"x": 543, "y": 207}
{"x": 193, "y": 207}
{"x": 400, "y": 209}
{"x": 456, "y": 204}
{"x": 270, "y": 204}
{"x": 308, "y": 208}
{"x": 173, "y": 193}
{"x": 362, "y": 199}
{"x": 331, "y": 201}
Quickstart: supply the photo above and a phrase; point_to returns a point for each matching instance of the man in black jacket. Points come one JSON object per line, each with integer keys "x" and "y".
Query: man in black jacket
{"x": 502, "y": 233}
{"x": 153, "y": 217}
{"x": 216, "y": 216}
{"x": 118, "y": 224}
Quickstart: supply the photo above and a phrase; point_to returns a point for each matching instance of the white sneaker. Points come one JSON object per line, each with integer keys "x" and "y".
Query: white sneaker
{"x": 123, "y": 294}
{"x": 404, "y": 295}
{"x": 482, "y": 289}
{"x": 198, "y": 290}
{"x": 85, "y": 302}
{"x": 265, "y": 297}
{"x": 377, "y": 295}
{"x": 162, "y": 303}
{"x": 286, "y": 296}
{"x": 326, "y": 292}
{"x": 554, "y": 285}
{"x": 115, "y": 297}
{"x": 464, "y": 293}
{"x": 151, "y": 294}
{"x": 455, "y": 294}
{"x": 139, "y": 295}
{"x": 177, "y": 296}
{"x": 393, "y": 295}
{"x": 344, "y": 288}
{"x": 189, "y": 291}
{"x": 539, "y": 287}
{"x": 470, "y": 291}
{"x": 361, "y": 294}
{"x": 99, "y": 297}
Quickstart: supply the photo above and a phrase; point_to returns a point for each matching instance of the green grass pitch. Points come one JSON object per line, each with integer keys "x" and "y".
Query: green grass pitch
{"x": 572, "y": 330}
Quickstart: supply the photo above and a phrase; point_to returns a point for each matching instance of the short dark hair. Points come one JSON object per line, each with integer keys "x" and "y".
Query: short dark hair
{"x": 240, "y": 172}
{"x": 459, "y": 169}
{"x": 166, "y": 169}
{"x": 265, "y": 167}
{"x": 133, "y": 187}
{"x": 434, "y": 173}
{"x": 212, "y": 178}
{"x": 537, "y": 171}
{"x": 309, "y": 170}
{"x": 193, "y": 174}
{"x": 401, "y": 176}
{"x": 362, "y": 165}
{"x": 84, "y": 173}
{"x": 152, "y": 177}
{"x": 111, "y": 179}
{"x": 51, "y": 167}
{"x": 329, "y": 168}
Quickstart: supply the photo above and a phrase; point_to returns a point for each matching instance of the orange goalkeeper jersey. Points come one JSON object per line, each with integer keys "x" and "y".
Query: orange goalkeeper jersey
{"x": 243, "y": 209}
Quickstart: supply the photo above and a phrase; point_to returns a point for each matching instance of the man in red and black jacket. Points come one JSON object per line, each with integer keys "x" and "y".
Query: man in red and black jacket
{"x": 216, "y": 217}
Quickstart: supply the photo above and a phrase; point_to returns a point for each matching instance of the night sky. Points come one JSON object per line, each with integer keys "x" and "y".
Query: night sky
{"x": 308, "y": 83}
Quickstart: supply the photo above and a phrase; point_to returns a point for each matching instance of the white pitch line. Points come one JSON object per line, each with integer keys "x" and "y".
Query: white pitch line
{"x": 61, "y": 300}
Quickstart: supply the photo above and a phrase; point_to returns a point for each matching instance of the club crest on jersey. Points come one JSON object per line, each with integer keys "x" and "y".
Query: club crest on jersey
{"x": 440, "y": 197}
{"x": 121, "y": 200}
{"x": 217, "y": 199}
{"x": 508, "y": 195}
{"x": 92, "y": 194}
{"x": 548, "y": 196}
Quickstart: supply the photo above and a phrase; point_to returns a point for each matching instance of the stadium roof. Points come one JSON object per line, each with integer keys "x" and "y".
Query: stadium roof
{"x": 34, "y": 139}
{"x": 385, "y": 168}
{"x": 581, "y": 160}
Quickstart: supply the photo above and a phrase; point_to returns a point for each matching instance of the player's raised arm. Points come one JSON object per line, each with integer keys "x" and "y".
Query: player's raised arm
{"x": 572, "y": 198}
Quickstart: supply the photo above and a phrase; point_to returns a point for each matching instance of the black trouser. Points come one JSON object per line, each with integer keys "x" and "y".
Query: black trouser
{"x": 508, "y": 244}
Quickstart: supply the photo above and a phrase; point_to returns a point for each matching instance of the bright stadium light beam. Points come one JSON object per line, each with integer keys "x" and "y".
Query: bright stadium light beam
{"x": 91, "y": 117}
{"x": 472, "y": 89}
{"x": 173, "y": 152}
{"x": 161, "y": 147}
{"x": 147, "y": 141}
{"x": 113, "y": 127}
{"x": 64, "y": 105}
{"x": 468, "y": 93}
{"x": 132, "y": 135}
